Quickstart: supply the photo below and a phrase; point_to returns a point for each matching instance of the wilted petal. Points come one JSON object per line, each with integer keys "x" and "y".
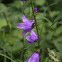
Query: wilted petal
{"x": 24, "y": 19}
{"x": 34, "y": 58}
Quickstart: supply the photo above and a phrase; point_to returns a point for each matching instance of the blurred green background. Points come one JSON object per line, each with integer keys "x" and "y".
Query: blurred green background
{"x": 49, "y": 18}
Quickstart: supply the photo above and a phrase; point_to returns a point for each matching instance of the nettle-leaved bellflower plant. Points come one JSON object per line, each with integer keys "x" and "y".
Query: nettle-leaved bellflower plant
{"x": 34, "y": 58}
{"x": 32, "y": 38}
{"x": 26, "y": 26}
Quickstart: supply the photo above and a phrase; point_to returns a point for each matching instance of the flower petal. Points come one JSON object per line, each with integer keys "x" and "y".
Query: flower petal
{"x": 24, "y": 19}
{"x": 34, "y": 57}
{"x": 30, "y": 22}
{"x": 25, "y": 31}
{"x": 30, "y": 40}
{"x": 33, "y": 35}
{"x": 21, "y": 26}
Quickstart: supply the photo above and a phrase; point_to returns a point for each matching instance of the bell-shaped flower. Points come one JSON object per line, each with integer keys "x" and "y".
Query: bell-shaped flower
{"x": 32, "y": 38}
{"x": 22, "y": 0}
{"x": 26, "y": 26}
{"x": 34, "y": 58}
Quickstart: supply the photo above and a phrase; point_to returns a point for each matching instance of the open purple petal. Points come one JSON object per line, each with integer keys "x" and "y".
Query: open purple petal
{"x": 24, "y": 19}
{"x": 25, "y": 31}
{"x": 21, "y": 26}
{"x": 34, "y": 58}
{"x": 31, "y": 21}
{"x": 30, "y": 40}
{"x": 33, "y": 35}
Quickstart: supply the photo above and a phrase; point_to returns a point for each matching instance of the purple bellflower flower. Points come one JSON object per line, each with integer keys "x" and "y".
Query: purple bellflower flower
{"x": 22, "y": 0}
{"x": 26, "y": 26}
{"x": 35, "y": 9}
{"x": 32, "y": 38}
{"x": 34, "y": 58}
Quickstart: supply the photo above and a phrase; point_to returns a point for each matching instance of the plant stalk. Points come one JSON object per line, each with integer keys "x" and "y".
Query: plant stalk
{"x": 23, "y": 37}
{"x": 34, "y": 14}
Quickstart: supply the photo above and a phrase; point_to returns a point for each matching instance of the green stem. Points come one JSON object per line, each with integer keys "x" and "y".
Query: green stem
{"x": 36, "y": 28}
{"x": 23, "y": 7}
{"x": 7, "y": 20}
{"x": 4, "y": 50}
{"x": 35, "y": 22}
{"x": 7, "y": 57}
{"x": 4, "y": 57}
{"x": 4, "y": 40}
{"x": 23, "y": 38}
{"x": 8, "y": 24}
{"x": 23, "y": 48}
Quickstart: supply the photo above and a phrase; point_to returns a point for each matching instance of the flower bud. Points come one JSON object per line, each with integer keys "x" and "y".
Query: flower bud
{"x": 35, "y": 9}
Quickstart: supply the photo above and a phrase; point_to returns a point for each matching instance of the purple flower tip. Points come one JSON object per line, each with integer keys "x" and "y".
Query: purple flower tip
{"x": 35, "y": 9}
{"x": 22, "y": 0}
{"x": 34, "y": 58}
{"x": 32, "y": 38}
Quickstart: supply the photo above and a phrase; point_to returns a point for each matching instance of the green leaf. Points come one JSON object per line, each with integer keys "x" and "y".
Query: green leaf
{"x": 3, "y": 23}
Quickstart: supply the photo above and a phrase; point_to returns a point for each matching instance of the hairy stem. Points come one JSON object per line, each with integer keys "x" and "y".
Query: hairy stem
{"x": 23, "y": 7}
{"x": 35, "y": 22}
{"x": 23, "y": 38}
